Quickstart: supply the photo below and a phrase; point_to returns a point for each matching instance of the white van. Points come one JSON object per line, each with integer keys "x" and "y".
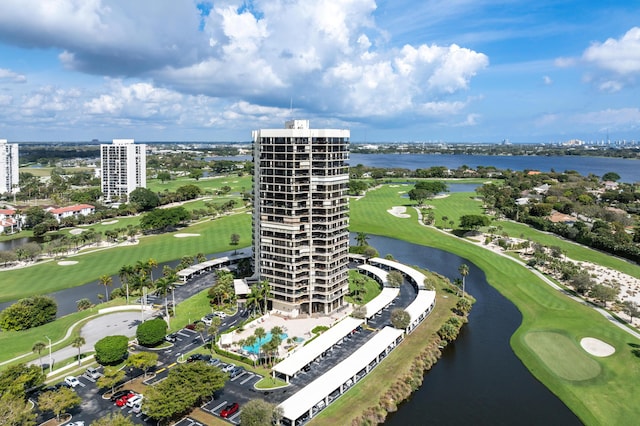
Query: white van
{"x": 134, "y": 400}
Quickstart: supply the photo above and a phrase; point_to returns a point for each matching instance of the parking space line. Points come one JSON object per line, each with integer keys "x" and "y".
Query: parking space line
{"x": 219, "y": 406}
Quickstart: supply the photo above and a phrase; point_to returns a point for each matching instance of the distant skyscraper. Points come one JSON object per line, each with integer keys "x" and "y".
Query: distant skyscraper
{"x": 8, "y": 167}
{"x": 123, "y": 169}
{"x": 300, "y": 223}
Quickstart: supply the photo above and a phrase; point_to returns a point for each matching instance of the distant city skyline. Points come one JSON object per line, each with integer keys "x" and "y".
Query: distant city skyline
{"x": 405, "y": 71}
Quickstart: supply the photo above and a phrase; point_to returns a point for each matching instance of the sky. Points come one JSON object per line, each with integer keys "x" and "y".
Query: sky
{"x": 388, "y": 70}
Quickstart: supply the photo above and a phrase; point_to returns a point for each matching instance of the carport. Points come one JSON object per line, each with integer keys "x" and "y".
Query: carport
{"x": 420, "y": 308}
{"x": 305, "y": 355}
{"x": 365, "y": 358}
{"x": 416, "y": 277}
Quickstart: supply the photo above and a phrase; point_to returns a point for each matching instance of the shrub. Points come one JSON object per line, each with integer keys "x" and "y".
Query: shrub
{"x": 29, "y": 312}
{"x": 319, "y": 329}
{"x": 151, "y": 332}
{"x": 111, "y": 349}
{"x": 84, "y": 304}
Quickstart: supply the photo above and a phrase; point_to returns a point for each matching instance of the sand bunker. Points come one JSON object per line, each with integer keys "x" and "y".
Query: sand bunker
{"x": 67, "y": 262}
{"x": 597, "y": 347}
{"x": 186, "y": 235}
{"x": 399, "y": 211}
{"x": 111, "y": 222}
{"x": 76, "y": 231}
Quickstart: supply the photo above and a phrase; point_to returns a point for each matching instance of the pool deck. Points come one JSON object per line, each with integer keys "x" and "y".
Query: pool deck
{"x": 294, "y": 327}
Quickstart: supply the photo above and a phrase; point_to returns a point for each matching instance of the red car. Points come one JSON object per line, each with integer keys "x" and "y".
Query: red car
{"x": 120, "y": 402}
{"x": 229, "y": 410}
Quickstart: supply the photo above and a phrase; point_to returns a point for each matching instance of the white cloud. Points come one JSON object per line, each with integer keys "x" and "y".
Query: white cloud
{"x": 622, "y": 56}
{"x": 12, "y": 76}
{"x": 565, "y": 62}
{"x": 243, "y": 61}
{"x": 547, "y": 80}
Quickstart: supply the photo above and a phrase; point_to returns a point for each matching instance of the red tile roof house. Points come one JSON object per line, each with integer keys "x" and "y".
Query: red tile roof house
{"x": 8, "y": 222}
{"x": 77, "y": 210}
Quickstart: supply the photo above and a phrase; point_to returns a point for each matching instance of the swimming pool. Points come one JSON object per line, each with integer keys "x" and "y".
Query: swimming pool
{"x": 255, "y": 348}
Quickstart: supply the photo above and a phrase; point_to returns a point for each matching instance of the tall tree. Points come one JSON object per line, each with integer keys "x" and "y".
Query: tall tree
{"x": 111, "y": 377}
{"x": 260, "y": 334}
{"x": 59, "y": 401}
{"x": 14, "y": 411}
{"x": 113, "y": 419}
{"x": 38, "y": 347}
{"x": 78, "y": 342}
{"x": 213, "y": 330}
{"x": 125, "y": 273}
{"x": 464, "y": 271}
{"x": 106, "y": 281}
{"x": 143, "y": 360}
{"x": 361, "y": 239}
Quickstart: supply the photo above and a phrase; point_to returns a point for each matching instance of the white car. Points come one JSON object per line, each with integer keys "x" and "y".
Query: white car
{"x": 92, "y": 373}
{"x": 221, "y": 314}
{"x": 227, "y": 368}
{"x": 71, "y": 381}
{"x": 137, "y": 407}
{"x": 78, "y": 423}
{"x": 135, "y": 400}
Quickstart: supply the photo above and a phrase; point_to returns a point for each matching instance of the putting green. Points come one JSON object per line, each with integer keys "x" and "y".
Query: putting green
{"x": 562, "y": 356}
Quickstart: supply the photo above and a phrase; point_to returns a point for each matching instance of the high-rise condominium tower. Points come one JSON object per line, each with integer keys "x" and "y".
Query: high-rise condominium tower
{"x": 300, "y": 235}
{"x": 124, "y": 168}
{"x": 8, "y": 167}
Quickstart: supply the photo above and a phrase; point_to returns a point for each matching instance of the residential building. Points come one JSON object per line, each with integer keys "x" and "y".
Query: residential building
{"x": 123, "y": 169}
{"x": 300, "y": 223}
{"x": 8, "y": 167}
{"x": 70, "y": 211}
{"x": 9, "y": 222}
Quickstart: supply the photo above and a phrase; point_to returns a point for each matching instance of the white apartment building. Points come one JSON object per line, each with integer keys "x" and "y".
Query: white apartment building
{"x": 123, "y": 169}
{"x": 9, "y": 177}
{"x": 300, "y": 235}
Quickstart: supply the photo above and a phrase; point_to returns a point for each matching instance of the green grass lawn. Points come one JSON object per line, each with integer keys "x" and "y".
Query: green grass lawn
{"x": 602, "y": 399}
{"x": 212, "y": 184}
{"x": 49, "y": 276}
{"x": 371, "y": 288}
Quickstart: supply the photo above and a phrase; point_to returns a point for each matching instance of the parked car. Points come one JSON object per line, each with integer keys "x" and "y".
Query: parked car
{"x": 134, "y": 400}
{"x": 171, "y": 337}
{"x": 122, "y": 401}
{"x": 116, "y": 395}
{"x": 192, "y": 326}
{"x": 227, "y": 368}
{"x": 214, "y": 361}
{"x": 220, "y": 314}
{"x": 71, "y": 381}
{"x": 92, "y": 373}
{"x": 77, "y": 423}
{"x": 229, "y": 410}
{"x": 236, "y": 372}
{"x": 137, "y": 407}
{"x": 199, "y": 357}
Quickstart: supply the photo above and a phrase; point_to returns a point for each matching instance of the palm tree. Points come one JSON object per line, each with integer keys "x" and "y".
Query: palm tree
{"x": 78, "y": 342}
{"x": 250, "y": 341}
{"x": 254, "y": 298}
{"x": 38, "y": 347}
{"x": 264, "y": 289}
{"x": 106, "y": 281}
{"x": 361, "y": 239}
{"x": 125, "y": 273}
{"x": 199, "y": 328}
{"x": 213, "y": 329}
{"x": 464, "y": 271}
{"x": 152, "y": 263}
{"x": 259, "y": 333}
{"x": 164, "y": 286}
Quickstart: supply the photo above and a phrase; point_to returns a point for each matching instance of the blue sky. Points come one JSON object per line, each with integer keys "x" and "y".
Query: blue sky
{"x": 389, "y": 70}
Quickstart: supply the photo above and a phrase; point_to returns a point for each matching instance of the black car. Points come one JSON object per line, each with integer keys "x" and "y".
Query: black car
{"x": 199, "y": 357}
{"x": 119, "y": 394}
